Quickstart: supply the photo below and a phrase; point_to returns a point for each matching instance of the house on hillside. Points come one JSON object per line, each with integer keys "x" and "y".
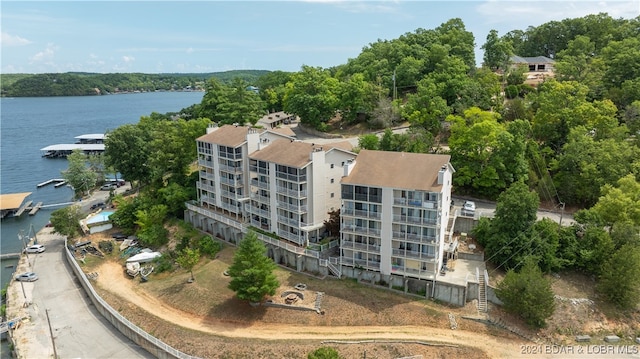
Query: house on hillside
{"x": 535, "y": 64}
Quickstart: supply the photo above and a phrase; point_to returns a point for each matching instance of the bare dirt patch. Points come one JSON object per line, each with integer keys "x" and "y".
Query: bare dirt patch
{"x": 205, "y": 319}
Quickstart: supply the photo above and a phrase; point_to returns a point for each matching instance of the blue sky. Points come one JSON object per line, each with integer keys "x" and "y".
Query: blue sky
{"x": 211, "y": 36}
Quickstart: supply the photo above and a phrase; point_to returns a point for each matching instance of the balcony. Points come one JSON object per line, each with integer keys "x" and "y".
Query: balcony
{"x": 231, "y": 169}
{"x": 206, "y": 175}
{"x": 260, "y": 225}
{"x": 291, "y": 178}
{"x": 401, "y": 218}
{"x": 291, "y": 222}
{"x": 260, "y": 212}
{"x": 360, "y": 213}
{"x": 291, "y": 192}
{"x": 231, "y": 156}
{"x": 405, "y": 253}
{"x": 231, "y": 182}
{"x": 413, "y": 237}
{"x": 360, "y": 246}
{"x": 370, "y": 265}
{"x": 292, "y": 207}
{"x": 205, "y": 163}
{"x": 260, "y": 170}
{"x": 260, "y": 184}
{"x": 296, "y": 238}
{"x": 349, "y": 228}
{"x": 205, "y": 187}
{"x": 260, "y": 198}
{"x": 416, "y": 203}
{"x": 230, "y": 207}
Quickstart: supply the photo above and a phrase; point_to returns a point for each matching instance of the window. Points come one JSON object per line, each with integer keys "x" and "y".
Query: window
{"x": 332, "y": 180}
{"x": 331, "y": 194}
{"x": 332, "y": 165}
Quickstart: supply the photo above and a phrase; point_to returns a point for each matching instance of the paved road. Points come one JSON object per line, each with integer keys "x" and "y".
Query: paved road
{"x": 79, "y": 330}
{"x": 487, "y": 209}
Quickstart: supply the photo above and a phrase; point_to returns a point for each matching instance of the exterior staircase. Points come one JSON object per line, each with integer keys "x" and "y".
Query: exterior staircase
{"x": 333, "y": 269}
{"x": 482, "y": 293}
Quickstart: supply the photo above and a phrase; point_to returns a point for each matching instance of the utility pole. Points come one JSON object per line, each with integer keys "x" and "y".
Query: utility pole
{"x": 561, "y": 212}
{"x": 395, "y": 91}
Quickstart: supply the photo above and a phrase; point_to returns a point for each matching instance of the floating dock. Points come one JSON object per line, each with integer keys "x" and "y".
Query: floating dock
{"x": 35, "y": 209}
{"x": 56, "y": 180}
{"x": 22, "y": 208}
{"x": 59, "y": 184}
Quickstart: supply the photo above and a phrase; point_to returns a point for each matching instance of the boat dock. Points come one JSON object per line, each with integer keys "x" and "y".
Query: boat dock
{"x": 35, "y": 209}
{"x": 56, "y": 180}
{"x": 22, "y": 208}
{"x": 59, "y": 184}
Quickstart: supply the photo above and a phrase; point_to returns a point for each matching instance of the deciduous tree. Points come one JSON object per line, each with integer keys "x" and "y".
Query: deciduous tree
{"x": 66, "y": 221}
{"x": 187, "y": 259}
{"x": 78, "y": 174}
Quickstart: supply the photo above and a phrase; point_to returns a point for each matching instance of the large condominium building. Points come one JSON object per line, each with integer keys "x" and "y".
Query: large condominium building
{"x": 395, "y": 210}
{"x": 271, "y": 181}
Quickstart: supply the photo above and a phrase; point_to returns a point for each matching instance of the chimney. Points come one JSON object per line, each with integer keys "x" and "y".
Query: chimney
{"x": 441, "y": 173}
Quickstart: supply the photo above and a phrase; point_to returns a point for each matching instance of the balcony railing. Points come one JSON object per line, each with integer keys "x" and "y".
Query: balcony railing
{"x": 414, "y": 254}
{"x": 259, "y": 212}
{"x": 414, "y": 220}
{"x": 416, "y": 203}
{"x": 259, "y": 197}
{"x": 291, "y": 222}
{"x": 232, "y": 169}
{"x": 206, "y": 175}
{"x": 292, "y": 178}
{"x": 292, "y": 207}
{"x": 260, "y": 184}
{"x": 205, "y": 163}
{"x": 360, "y": 246}
{"x": 414, "y": 237}
{"x": 363, "y": 230}
{"x": 373, "y": 265}
{"x": 206, "y": 187}
{"x": 231, "y": 156}
{"x": 296, "y": 238}
{"x": 261, "y": 170}
{"x": 291, "y": 192}
{"x": 232, "y": 182}
{"x": 230, "y": 207}
{"x": 360, "y": 213}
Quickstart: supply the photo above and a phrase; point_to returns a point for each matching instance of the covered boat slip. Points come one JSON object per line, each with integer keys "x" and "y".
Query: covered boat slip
{"x": 12, "y": 204}
{"x": 63, "y": 150}
{"x": 92, "y": 143}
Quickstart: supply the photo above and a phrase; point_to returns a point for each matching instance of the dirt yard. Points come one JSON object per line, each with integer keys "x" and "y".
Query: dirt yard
{"x": 205, "y": 319}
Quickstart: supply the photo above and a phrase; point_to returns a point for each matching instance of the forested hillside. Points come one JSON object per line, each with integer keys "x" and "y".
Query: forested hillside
{"x": 80, "y": 84}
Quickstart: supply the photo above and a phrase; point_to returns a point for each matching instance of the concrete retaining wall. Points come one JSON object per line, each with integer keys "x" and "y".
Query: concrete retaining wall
{"x": 450, "y": 293}
{"x": 471, "y": 256}
{"x": 151, "y": 344}
{"x": 492, "y": 297}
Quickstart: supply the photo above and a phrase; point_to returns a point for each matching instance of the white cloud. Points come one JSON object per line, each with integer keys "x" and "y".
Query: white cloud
{"x": 13, "y": 40}
{"x": 45, "y": 55}
{"x": 534, "y": 13}
{"x": 128, "y": 59}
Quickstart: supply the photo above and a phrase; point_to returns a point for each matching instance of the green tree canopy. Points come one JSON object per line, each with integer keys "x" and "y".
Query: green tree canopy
{"x": 66, "y": 221}
{"x": 618, "y": 282}
{"x": 78, "y": 174}
{"x": 312, "y": 95}
{"x": 527, "y": 294}
{"x": 187, "y": 259}
{"x": 497, "y": 52}
{"x": 127, "y": 150}
{"x": 251, "y": 272}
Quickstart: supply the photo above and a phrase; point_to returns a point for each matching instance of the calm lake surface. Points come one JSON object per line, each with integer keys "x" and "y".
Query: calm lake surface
{"x": 29, "y": 124}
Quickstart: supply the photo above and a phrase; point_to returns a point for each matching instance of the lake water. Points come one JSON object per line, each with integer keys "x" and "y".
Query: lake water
{"x": 29, "y": 124}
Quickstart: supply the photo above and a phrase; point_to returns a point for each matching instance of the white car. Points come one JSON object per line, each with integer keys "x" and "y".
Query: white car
{"x": 469, "y": 208}
{"x": 36, "y": 248}
{"x": 27, "y": 277}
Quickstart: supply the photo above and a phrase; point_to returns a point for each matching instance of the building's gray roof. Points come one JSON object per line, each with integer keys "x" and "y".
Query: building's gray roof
{"x": 531, "y": 60}
{"x": 289, "y": 153}
{"x": 91, "y": 136}
{"x": 414, "y": 171}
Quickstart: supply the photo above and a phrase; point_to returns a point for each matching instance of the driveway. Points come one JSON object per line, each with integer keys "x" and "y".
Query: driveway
{"x": 61, "y": 316}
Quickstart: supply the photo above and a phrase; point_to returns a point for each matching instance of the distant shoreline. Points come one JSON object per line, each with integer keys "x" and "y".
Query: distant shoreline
{"x": 105, "y": 94}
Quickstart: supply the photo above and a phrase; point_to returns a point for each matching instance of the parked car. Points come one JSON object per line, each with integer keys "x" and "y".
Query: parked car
{"x": 97, "y": 205}
{"x": 36, "y": 248}
{"x": 27, "y": 277}
{"x": 108, "y": 187}
{"x": 469, "y": 208}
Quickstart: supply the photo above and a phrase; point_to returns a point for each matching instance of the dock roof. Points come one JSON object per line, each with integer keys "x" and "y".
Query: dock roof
{"x": 12, "y": 200}
{"x": 91, "y": 136}
{"x": 73, "y": 146}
